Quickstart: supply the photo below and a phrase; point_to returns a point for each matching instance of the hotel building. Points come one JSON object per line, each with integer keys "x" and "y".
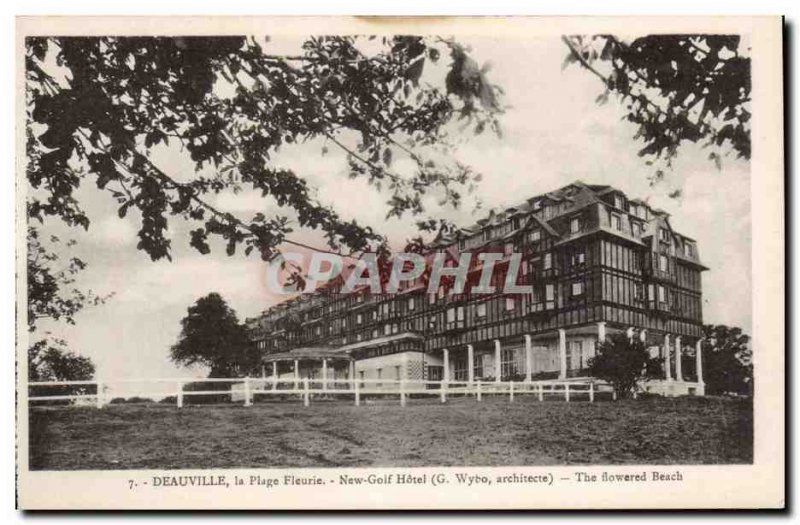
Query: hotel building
{"x": 599, "y": 262}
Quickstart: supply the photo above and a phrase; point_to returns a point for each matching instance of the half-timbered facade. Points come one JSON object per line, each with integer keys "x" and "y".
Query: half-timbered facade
{"x": 598, "y": 262}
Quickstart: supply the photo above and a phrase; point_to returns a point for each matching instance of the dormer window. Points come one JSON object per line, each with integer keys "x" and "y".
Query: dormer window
{"x": 616, "y": 222}
{"x": 619, "y": 202}
{"x": 575, "y": 225}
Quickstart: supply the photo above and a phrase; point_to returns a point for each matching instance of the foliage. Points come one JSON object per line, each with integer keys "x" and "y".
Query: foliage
{"x": 623, "y": 363}
{"x": 212, "y": 336}
{"x": 50, "y": 360}
{"x": 50, "y": 280}
{"x": 674, "y": 88}
{"x": 727, "y": 360}
{"x": 98, "y": 108}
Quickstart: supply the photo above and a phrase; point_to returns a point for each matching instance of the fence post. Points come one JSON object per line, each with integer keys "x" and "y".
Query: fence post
{"x": 247, "y": 400}
{"x": 443, "y": 392}
{"x": 180, "y": 394}
{"x": 306, "y": 397}
{"x": 99, "y": 394}
{"x": 511, "y": 392}
{"x": 566, "y": 392}
{"x": 541, "y": 392}
{"x": 591, "y": 392}
{"x": 402, "y": 392}
{"x": 358, "y": 393}
{"x": 478, "y": 390}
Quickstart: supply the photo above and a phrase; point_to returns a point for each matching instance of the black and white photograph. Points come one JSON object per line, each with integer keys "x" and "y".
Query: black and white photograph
{"x": 378, "y": 258}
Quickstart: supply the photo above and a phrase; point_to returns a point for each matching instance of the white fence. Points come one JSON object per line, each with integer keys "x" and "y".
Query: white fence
{"x": 305, "y": 389}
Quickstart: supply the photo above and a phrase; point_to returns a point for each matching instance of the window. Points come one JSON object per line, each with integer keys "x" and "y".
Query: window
{"x": 619, "y": 202}
{"x": 481, "y": 310}
{"x": 662, "y": 262}
{"x": 451, "y": 316}
{"x": 633, "y": 209}
{"x": 577, "y": 288}
{"x": 548, "y": 261}
{"x": 511, "y": 304}
{"x": 688, "y": 249}
{"x": 662, "y": 294}
{"x": 549, "y": 292}
{"x": 431, "y": 298}
{"x": 575, "y": 355}
{"x": 536, "y": 235}
{"x": 515, "y": 223}
{"x": 397, "y": 372}
{"x": 508, "y": 364}
{"x": 578, "y": 258}
{"x": 359, "y": 319}
{"x": 387, "y": 329}
{"x": 616, "y": 222}
{"x": 575, "y": 225}
{"x": 664, "y": 235}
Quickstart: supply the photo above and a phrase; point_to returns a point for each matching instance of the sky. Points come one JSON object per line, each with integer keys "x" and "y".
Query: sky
{"x": 553, "y": 133}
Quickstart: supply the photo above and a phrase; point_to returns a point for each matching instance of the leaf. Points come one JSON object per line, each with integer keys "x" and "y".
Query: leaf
{"x": 387, "y": 157}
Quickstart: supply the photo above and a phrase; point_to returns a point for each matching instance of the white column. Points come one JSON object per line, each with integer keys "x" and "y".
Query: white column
{"x": 601, "y": 331}
{"x": 562, "y": 353}
{"x": 666, "y": 353}
{"x": 446, "y": 368}
{"x": 274, "y": 375}
{"x": 263, "y": 372}
{"x": 528, "y": 358}
{"x": 498, "y": 368}
{"x": 470, "y": 364}
{"x": 296, "y": 373}
{"x": 324, "y": 374}
{"x": 404, "y": 366}
{"x": 699, "y": 357}
{"x": 352, "y": 370}
{"x": 678, "y": 364}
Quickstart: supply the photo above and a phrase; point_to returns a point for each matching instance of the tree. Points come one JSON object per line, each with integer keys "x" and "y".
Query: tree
{"x": 727, "y": 360}
{"x": 212, "y": 336}
{"x": 51, "y": 360}
{"x": 52, "y": 295}
{"x": 674, "y": 88}
{"x": 623, "y": 363}
{"x": 98, "y": 107}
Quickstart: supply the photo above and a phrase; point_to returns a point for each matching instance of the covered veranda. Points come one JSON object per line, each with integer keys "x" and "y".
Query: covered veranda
{"x": 320, "y": 363}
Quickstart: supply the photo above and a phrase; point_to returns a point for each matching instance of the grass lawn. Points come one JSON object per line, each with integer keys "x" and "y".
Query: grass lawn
{"x": 462, "y": 432}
